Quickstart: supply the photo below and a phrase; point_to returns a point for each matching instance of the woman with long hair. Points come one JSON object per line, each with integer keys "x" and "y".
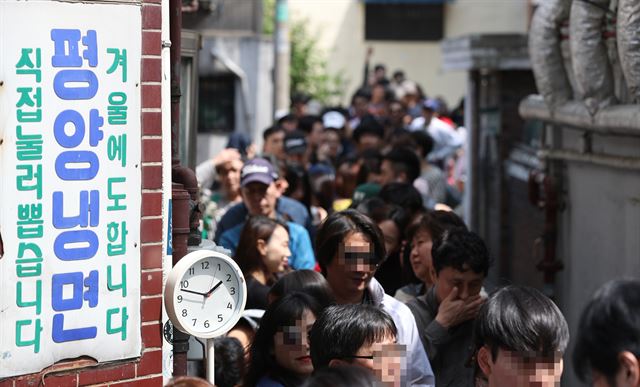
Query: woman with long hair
{"x": 263, "y": 251}
{"x": 280, "y": 354}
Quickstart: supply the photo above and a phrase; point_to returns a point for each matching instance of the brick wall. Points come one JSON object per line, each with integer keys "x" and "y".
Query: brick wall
{"x": 146, "y": 370}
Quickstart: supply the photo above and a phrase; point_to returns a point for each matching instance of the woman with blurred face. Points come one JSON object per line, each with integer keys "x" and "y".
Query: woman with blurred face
{"x": 280, "y": 350}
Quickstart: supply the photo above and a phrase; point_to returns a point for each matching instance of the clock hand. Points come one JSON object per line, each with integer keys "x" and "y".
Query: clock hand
{"x": 191, "y": 291}
{"x": 213, "y": 289}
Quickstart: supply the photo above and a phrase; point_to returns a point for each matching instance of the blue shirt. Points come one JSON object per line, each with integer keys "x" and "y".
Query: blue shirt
{"x": 237, "y": 214}
{"x": 299, "y": 243}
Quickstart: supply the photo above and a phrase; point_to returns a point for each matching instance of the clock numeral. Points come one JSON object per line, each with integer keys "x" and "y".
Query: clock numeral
{"x": 179, "y": 299}
{"x": 219, "y": 267}
{"x": 220, "y": 318}
{"x": 205, "y": 265}
{"x": 184, "y": 284}
{"x": 228, "y": 277}
{"x": 206, "y": 323}
{"x": 194, "y": 321}
{"x": 229, "y": 306}
{"x": 192, "y": 270}
{"x": 184, "y": 313}
{"x": 232, "y": 291}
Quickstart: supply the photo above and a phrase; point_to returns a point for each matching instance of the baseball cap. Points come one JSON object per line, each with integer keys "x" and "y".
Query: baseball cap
{"x": 295, "y": 142}
{"x": 257, "y": 170}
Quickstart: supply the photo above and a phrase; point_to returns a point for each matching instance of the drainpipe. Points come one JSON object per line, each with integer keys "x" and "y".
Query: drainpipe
{"x": 186, "y": 212}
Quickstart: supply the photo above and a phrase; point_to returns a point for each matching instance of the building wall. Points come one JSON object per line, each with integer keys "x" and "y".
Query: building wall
{"x": 252, "y": 54}
{"x": 339, "y": 27}
{"x": 147, "y": 369}
{"x": 599, "y": 228}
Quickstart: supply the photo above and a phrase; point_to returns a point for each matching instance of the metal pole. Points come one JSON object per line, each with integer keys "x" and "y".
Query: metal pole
{"x": 211, "y": 369}
{"x": 282, "y": 57}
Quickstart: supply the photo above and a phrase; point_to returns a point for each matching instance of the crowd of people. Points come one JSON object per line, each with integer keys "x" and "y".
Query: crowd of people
{"x": 360, "y": 272}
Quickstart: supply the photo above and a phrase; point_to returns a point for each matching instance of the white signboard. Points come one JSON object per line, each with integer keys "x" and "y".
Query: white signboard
{"x": 69, "y": 183}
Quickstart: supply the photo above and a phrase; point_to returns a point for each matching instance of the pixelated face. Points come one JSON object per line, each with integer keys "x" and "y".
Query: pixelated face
{"x": 260, "y": 199}
{"x": 391, "y": 236}
{"x": 274, "y": 144}
{"x": 514, "y": 369}
{"x": 421, "y": 261}
{"x": 350, "y": 272}
{"x": 277, "y": 250}
{"x": 468, "y": 282}
{"x": 386, "y": 359}
{"x": 229, "y": 173}
{"x": 291, "y": 345}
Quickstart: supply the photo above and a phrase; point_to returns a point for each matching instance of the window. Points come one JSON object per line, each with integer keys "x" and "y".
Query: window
{"x": 216, "y": 107}
{"x": 412, "y": 21}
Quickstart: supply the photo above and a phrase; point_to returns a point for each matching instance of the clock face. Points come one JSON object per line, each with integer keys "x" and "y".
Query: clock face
{"x": 208, "y": 297}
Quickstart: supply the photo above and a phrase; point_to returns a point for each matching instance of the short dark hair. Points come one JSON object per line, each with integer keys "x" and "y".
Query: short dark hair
{"x": 337, "y": 226}
{"x": 457, "y": 248}
{"x": 404, "y": 195}
{"x": 424, "y": 141}
{"x": 368, "y": 125}
{"x": 361, "y": 93}
{"x": 435, "y": 223}
{"x": 342, "y": 330}
{"x": 609, "y": 325}
{"x": 305, "y": 123}
{"x": 284, "y": 312}
{"x": 404, "y": 160}
{"x": 305, "y": 281}
{"x": 342, "y": 376}
{"x": 379, "y": 211}
{"x": 229, "y": 361}
{"x": 270, "y": 131}
{"x": 523, "y": 320}
{"x": 287, "y": 118}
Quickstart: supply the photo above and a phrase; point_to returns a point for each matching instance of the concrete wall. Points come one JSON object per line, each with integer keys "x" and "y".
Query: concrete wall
{"x": 600, "y": 228}
{"x": 254, "y": 56}
{"x": 339, "y": 28}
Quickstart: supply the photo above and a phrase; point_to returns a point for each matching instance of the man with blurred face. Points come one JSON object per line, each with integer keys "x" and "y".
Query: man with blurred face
{"x": 359, "y": 335}
{"x": 445, "y": 313}
{"x": 350, "y": 247}
{"x": 520, "y": 336}
{"x": 260, "y": 196}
